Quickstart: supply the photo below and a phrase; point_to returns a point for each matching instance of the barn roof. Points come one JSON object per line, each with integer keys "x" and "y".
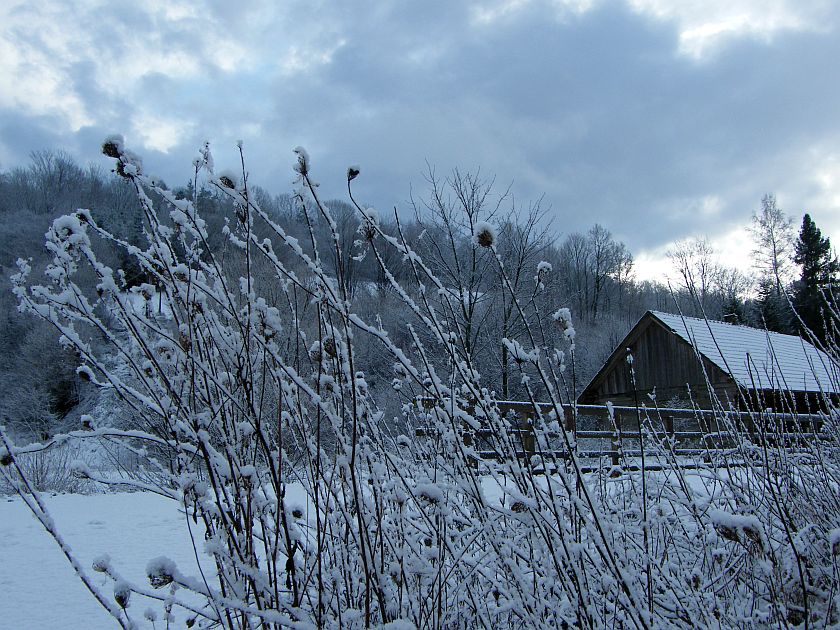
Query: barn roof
{"x": 755, "y": 358}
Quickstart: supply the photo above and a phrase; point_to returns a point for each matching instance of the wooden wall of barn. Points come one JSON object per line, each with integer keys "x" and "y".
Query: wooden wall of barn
{"x": 664, "y": 361}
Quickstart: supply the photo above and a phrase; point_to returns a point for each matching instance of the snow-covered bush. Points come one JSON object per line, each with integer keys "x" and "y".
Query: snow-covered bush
{"x": 240, "y": 395}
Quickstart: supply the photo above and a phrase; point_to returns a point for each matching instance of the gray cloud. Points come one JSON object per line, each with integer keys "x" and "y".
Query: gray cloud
{"x": 602, "y": 110}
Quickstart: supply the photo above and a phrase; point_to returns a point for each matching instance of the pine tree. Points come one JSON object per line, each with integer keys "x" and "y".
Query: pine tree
{"x": 819, "y": 275}
{"x": 772, "y": 310}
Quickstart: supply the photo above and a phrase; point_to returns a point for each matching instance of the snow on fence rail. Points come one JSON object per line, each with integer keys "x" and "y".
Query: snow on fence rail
{"x": 701, "y": 430}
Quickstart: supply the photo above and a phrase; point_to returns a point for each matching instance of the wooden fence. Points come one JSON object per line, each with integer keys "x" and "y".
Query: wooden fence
{"x": 683, "y": 432}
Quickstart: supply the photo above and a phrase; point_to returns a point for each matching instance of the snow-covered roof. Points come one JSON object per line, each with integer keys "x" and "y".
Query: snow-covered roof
{"x": 755, "y": 358}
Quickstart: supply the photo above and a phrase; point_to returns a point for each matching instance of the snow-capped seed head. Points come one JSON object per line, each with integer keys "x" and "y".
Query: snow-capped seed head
{"x": 329, "y": 347}
{"x": 353, "y": 172}
{"x": 228, "y": 179}
{"x": 302, "y": 165}
{"x": 430, "y": 492}
{"x": 113, "y": 146}
{"x": 83, "y": 215}
{"x": 102, "y": 563}
{"x": 543, "y": 268}
{"x": 122, "y": 593}
{"x": 484, "y": 234}
{"x": 160, "y": 571}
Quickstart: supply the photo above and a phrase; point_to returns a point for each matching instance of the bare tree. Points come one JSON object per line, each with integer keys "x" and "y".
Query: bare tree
{"x": 456, "y": 207}
{"x": 522, "y": 242}
{"x": 696, "y": 268}
{"x": 774, "y": 237}
{"x": 595, "y": 268}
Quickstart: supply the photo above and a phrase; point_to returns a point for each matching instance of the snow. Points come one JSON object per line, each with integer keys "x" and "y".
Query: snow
{"x": 152, "y": 302}
{"x": 757, "y": 358}
{"x": 563, "y": 316}
{"x": 303, "y": 162}
{"x": 137, "y": 534}
{"x": 229, "y": 178}
{"x": 38, "y": 587}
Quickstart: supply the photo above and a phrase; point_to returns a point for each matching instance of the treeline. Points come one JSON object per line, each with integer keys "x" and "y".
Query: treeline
{"x": 793, "y": 287}
{"x": 590, "y": 272}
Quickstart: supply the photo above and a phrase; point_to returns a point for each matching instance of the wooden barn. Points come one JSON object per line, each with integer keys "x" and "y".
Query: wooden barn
{"x": 743, "y": 367}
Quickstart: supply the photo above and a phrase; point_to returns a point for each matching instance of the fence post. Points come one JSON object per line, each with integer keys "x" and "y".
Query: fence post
{"x": 615, "y": 442}
{"x": 570, "y": 426}
{"x": 527, "y": 436}
{"x": 707, "y": 442}
{"x": 570, "y": 419}
{"x": 669, "y": 430}
{"x": 468, "y": 439}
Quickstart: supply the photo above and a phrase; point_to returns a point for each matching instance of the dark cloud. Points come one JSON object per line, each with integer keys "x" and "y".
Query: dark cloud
{"x": 597, "y": 110}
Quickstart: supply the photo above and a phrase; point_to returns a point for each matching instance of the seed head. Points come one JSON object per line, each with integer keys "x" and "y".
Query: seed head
{"x": 484, "y": 235}
{"x": 113, "y": 146}
{"x": 228, "y": 179}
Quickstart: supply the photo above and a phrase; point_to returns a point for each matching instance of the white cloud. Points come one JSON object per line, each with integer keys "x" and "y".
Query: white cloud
{"x": 301, "y": 59}
{"x": 142, "y": 66}
{"x": 34, "y": 75}
{"x": 706, "y": 207}
{"x": 815, "y": 188}
{"x": 735, "y": 249}
{"x": 826, "y": 175}
{"x": 159, "y": 133}
{"x": 488, "y": 13}
{"x": 704, "y": 25}
{"x": 653, "y": 264}
{"x": 731, "y": 249}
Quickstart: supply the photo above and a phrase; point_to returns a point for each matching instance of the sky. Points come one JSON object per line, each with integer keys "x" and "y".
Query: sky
{"x": 661, "y": 120}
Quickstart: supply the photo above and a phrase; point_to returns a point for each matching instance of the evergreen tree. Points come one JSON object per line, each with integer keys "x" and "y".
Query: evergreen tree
{"x": 772, "y": 310}
{"x": 819, "y": 274}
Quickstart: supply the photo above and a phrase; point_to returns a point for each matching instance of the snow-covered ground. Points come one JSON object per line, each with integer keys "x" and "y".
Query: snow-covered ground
{"x": 38, "y": 588}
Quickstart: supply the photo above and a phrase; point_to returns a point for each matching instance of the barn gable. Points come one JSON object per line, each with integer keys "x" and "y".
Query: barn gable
{"x": 672, "y": 353}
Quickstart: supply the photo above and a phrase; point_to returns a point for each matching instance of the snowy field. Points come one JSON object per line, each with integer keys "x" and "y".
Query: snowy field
{"x": 38, "y": 588}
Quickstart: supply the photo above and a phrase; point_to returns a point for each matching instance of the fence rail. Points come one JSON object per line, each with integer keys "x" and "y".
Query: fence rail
{"x": 708, "y": 429}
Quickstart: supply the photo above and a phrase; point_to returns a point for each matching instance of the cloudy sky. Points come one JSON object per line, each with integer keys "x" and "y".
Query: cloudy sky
{"x": 659, "y": 119}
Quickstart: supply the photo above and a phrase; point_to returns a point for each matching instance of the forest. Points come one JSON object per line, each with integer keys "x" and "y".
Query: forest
{"x": 301, "y": 378}
{"x": 590, "y": 272}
